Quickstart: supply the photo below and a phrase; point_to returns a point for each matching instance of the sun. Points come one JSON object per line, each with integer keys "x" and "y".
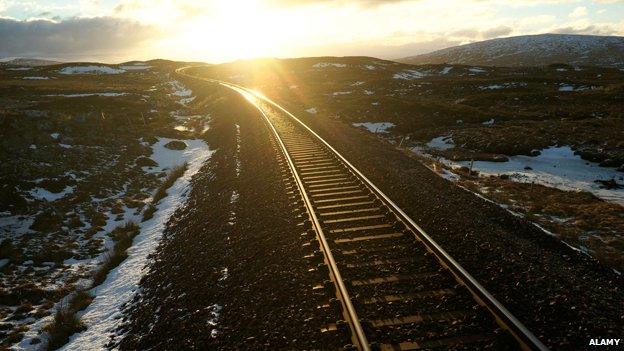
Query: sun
{"x": 236, "y": 30}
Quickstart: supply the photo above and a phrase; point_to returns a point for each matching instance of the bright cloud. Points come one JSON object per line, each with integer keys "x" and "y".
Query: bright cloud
{"x": 216, "y": 30}
{"x": 580, "y": 11}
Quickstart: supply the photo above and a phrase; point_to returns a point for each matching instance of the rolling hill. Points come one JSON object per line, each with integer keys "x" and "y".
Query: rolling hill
{"x": 532, "y": 50}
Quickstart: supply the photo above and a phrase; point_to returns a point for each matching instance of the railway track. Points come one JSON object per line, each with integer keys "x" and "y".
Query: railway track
{"x": 398, "y": 289}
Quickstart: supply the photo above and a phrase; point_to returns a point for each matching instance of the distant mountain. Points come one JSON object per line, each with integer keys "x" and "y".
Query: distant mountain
{"x": 31, "y": 62}
{"x": 532, "y": 50}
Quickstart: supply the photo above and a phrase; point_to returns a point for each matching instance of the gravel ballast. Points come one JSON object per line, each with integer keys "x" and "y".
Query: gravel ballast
{"x": 564, "y": 297}
{"x": 230, "y": 272}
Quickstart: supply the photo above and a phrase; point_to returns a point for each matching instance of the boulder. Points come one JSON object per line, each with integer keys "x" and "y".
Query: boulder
{"x": 176, "y": 145}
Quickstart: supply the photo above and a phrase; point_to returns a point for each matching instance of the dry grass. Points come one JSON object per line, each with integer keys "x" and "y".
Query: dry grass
{"x": 123, "y": 236}
{"x": 579, "y": 218}
{"x": 66, "y": 322}
{"x": 173, "y": 175}
{"x": 161, "y": 192}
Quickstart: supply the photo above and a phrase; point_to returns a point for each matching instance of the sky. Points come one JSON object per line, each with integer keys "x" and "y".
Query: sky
{"x": 225, "y": 30}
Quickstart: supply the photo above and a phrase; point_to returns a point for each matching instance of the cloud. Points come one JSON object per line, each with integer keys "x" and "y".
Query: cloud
{"x": 378, "y": 50}
{"x": 73, "y": 37}
{"x": 496, "y": 32}
{"x": 580, "y": 11}
{"x": 589, "y": 30}
{"x": 363, "y": 3}
{"x": 471, "y": 34}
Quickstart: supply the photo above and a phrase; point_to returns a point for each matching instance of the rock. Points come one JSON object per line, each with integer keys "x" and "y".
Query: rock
{"x": 499, "y": 158}
{"x": 610, "y": 162}
{"x": 150, "y": 139}
{"x": 609, "y": 184}
{"x": 176, "y": 145}
{"x": 145, "y": 162}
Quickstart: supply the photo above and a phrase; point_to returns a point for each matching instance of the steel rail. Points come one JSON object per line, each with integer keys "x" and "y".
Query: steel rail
{"x": 353, "y": 319}
{"x": 526, "y": 338}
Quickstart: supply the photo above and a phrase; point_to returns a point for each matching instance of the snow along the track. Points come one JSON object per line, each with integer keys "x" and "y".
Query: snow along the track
{"x": 102, "y": 316}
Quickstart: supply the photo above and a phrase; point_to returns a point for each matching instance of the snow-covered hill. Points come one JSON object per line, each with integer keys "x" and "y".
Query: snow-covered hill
{"x": 29, "y": 62}
{"x": 532, "y": 50}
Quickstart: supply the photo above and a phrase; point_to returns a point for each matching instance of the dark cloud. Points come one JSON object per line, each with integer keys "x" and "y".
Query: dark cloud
{"x": 476, "y": 34}
{"x": 466, "y": 33}
{"x": 72, "y": 38}
{"x": 592, "y": 30}
{"x": 496, "y": 32}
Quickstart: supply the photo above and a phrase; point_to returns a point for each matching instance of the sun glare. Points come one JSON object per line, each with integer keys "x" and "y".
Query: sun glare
{"x": 235, "y": 30}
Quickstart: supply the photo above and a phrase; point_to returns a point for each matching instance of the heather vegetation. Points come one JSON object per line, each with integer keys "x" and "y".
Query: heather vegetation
{"x": 450, "y": 116}
{"x": 82, "y": 154}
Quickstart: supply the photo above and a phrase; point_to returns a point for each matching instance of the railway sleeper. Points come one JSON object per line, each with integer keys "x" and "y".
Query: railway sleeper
{"x": 385, "y": 255}
{"x": 465, "y": 342}
{"x": 431, "y": 328}
{"x": 430, "y": 304}
{"x": 331, "y": 188}
{"x": 371, "y": 223}
{"x": 410, "y": 297}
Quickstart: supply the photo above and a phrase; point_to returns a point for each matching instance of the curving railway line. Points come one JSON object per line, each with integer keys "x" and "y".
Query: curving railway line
{"x": 397, "y": 288}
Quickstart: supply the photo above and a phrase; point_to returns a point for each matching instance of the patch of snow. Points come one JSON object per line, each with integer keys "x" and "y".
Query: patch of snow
{"x": 375, "y": 127}
{"x": 186, "y": 101}
{"x": 44, "y": 194}
{"x": 370, "y": 67}
{"x": 329, "y": 64}
{"x": 181, "y": 91}
{"x": 358, "y": 83}
{"x": 216, "y": 310}
{"x": 409, "y": 74}
{"x": 567, "y": 87}
{"x": 168, "y": 159}
{"x": 238, "y": 149}
{"x": 102, "y": 316}
{"x": 446, "y": 70}
{"x": 312, "y": 110}
{"x": 502, "y": 86}
{"x": 4, "y": 262}
{"x": 55, "y": 136}
{"x": 376, "y": 103}
{"x": 181, "y": 128}
{"x": 341, "y": 93}
{"x": 36, "y": 78}
{"x": 234, "y": 197}
{"x": 441, "y": 143}
{"x": 477, "y": 70}
{"x": 488, "y": 122}
{"x": 91, "y": 70}
{"x": 15, "y": 225}
{"x": 368, "y": 92}
{"x": 448, "y": 175}
{"x": 556, "y": 167}
{"x": 19, "y": 69}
